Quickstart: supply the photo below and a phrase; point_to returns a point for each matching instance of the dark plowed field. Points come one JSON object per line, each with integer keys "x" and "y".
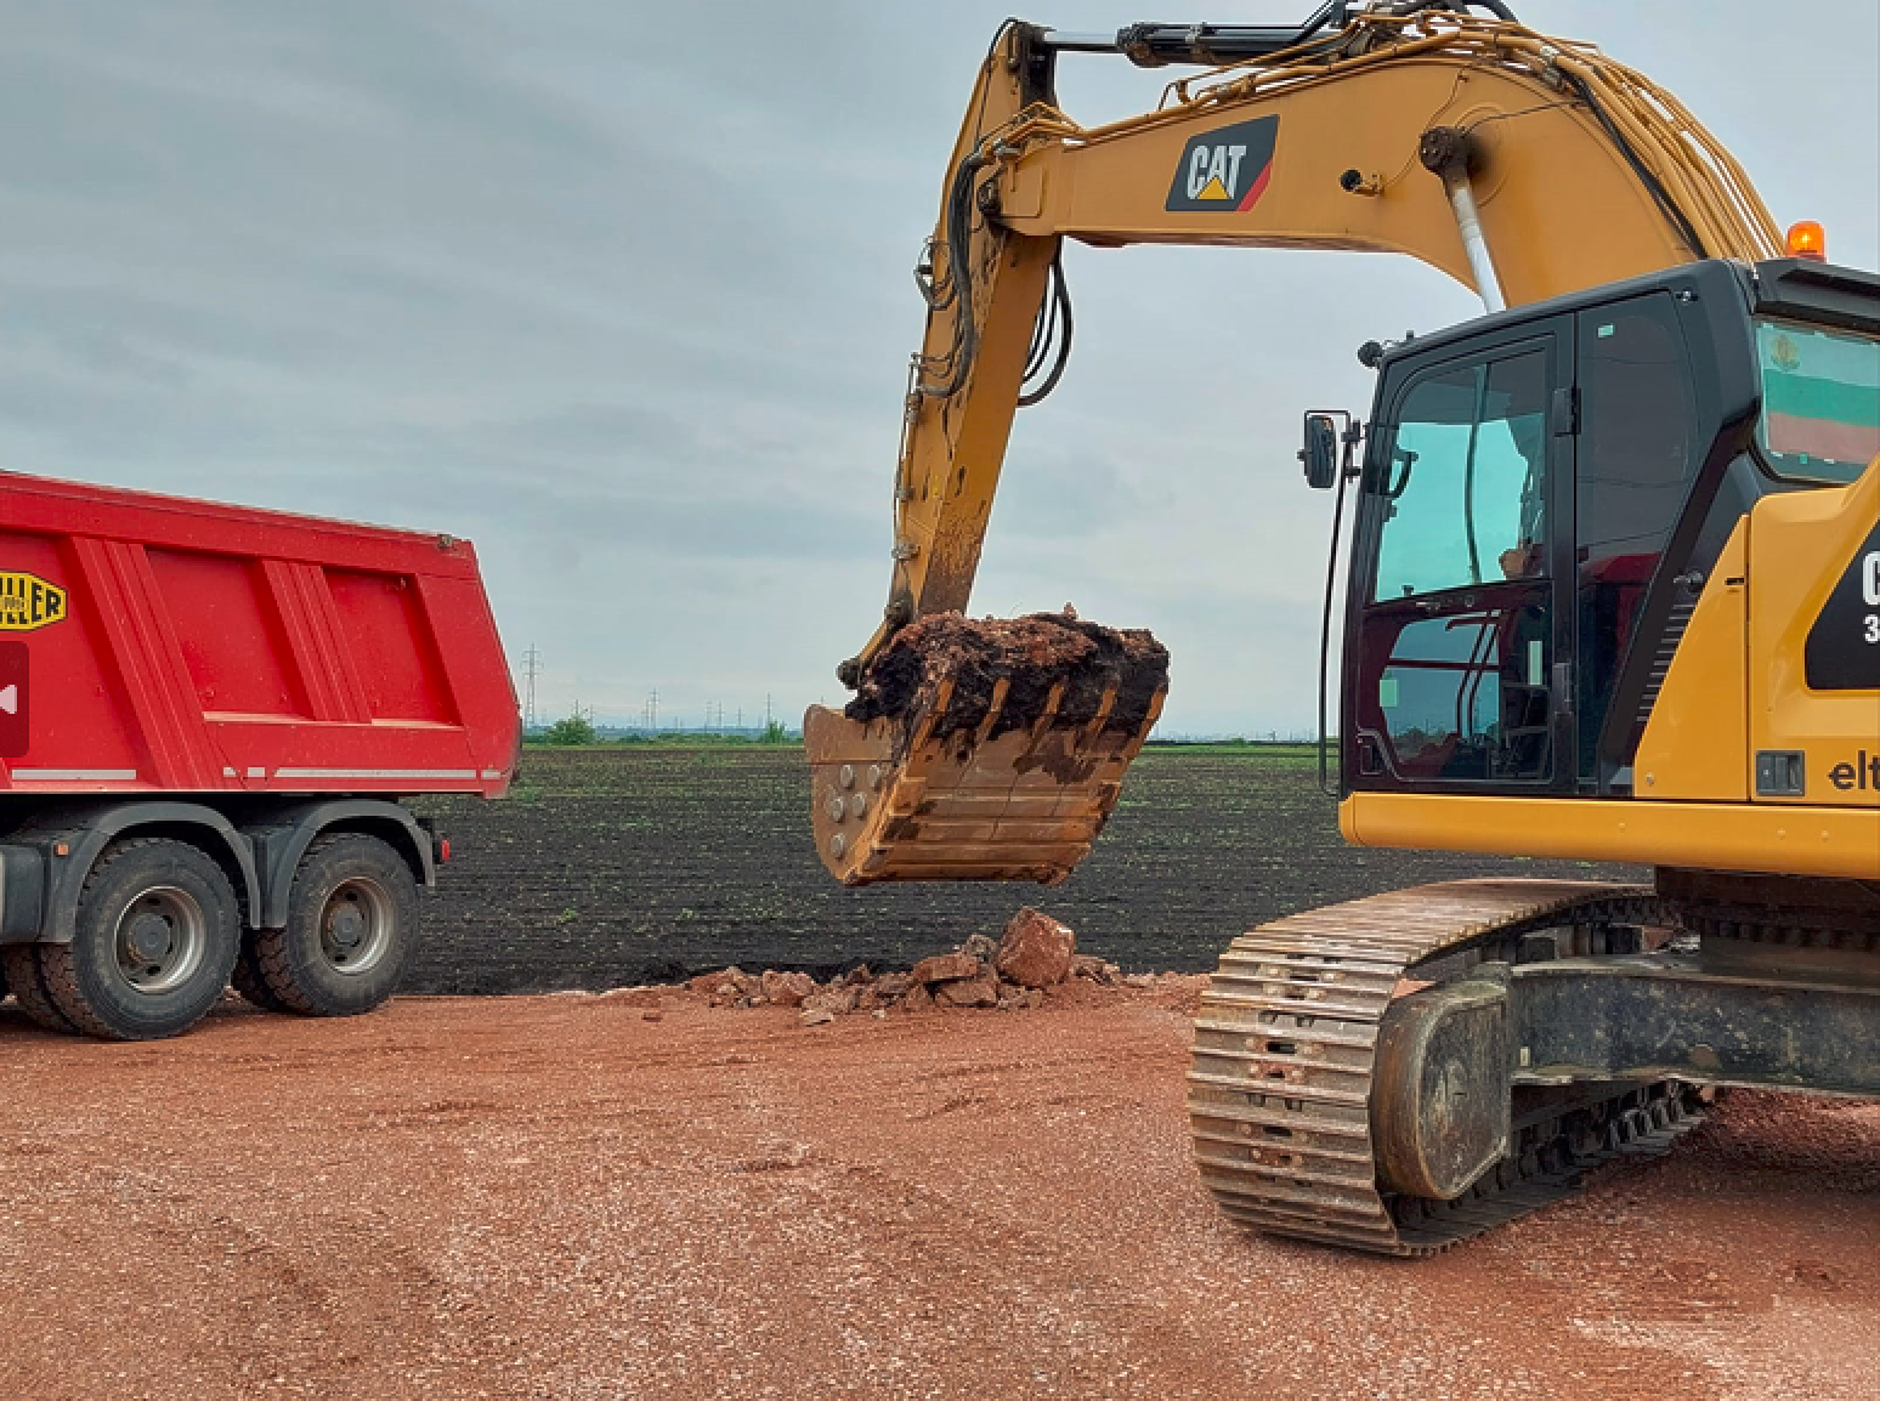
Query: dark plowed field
{"x": 619, "y": 866}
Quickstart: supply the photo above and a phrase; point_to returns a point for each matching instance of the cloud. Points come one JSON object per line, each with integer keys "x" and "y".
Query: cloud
{"x": 622, "y": 293}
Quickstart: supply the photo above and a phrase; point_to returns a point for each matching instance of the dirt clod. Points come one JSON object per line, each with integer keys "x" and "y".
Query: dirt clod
{"x": 1036, "y": 950}
{"x": 787, "y": 989}
{"x": 945, "y": 967}
{"x": 980, "y": 990}
{"x": 1032, "y": 654}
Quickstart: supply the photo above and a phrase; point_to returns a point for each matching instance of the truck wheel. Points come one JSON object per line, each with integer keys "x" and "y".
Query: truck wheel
{"x": 156, "y": 935}
{"x": 29, "y": 987}
{"x": 352, "y": 929}
{"x": 247, "y": 979}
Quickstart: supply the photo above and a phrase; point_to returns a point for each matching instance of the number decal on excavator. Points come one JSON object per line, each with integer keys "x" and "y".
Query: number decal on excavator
{"x": 1843, "y": 648}
{"x": 1870, "y": 594}
{"x": 1225, "y": 170}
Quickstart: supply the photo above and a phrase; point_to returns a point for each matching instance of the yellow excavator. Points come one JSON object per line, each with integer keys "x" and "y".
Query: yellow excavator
{"x": 1612, "y": 592}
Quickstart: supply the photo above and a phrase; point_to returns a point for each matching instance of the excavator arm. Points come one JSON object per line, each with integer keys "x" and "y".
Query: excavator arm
{"x": 1522, "y": 166}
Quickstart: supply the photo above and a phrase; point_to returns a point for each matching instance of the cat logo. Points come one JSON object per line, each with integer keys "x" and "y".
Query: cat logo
{"x": 1224, "y": 170}
{"x": 28, "y": 602}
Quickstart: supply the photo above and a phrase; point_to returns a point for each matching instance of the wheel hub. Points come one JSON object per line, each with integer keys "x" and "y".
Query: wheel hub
{"x": 160, "y": 939}
{"x": 150, "y": 937}
{"x": 356, "y": 927}
{"x": 346, "y": 928}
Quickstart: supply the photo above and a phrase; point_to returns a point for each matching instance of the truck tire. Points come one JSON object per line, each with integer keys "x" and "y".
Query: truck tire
{"x": 247, "y": 979}
{"x": 155, "y": 939}
{"x": 352, "y": 929}
{"x": 29, "y": 987}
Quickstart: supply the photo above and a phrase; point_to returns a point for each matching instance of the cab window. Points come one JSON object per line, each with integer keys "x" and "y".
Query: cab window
{"x": 1821, "y": 401}
{"x": 1464, "y": 479}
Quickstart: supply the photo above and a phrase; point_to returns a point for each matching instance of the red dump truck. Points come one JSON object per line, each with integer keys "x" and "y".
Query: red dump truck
{"x": 208, "y": 715}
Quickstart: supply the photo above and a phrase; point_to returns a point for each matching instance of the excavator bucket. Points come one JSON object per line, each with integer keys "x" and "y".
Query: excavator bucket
{"x": 982, "y": 750}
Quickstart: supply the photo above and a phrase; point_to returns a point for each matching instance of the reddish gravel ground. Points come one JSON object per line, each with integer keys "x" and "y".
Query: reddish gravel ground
{"x": 560, "y": 1197}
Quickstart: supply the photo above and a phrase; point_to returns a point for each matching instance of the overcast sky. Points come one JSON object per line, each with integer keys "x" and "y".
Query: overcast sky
{"x": 621, "y": 292}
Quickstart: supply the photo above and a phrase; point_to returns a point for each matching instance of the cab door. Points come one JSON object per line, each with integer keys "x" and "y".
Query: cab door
{"x": 1459, "y": 625}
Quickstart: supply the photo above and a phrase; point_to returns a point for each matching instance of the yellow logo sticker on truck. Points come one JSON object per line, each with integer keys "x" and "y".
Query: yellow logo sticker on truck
{"x": 28, "y": 601}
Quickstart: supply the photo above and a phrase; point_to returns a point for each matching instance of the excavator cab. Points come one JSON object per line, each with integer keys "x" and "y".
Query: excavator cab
{"x": 1545, "y": 494}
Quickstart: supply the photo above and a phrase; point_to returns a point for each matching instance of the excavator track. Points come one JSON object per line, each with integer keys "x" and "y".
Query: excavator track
{"x": 1285, "y": 1062}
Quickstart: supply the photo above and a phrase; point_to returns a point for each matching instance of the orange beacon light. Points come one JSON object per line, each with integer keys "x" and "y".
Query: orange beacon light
{"x": 1808, "y": 240}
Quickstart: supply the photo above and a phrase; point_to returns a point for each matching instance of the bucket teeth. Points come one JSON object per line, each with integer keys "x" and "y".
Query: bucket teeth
{"x": 1048, "y": 715}
{"x": 943, "y": 698}
{"x": 1097, "y": 721}
{"x": 1000, "y": 690}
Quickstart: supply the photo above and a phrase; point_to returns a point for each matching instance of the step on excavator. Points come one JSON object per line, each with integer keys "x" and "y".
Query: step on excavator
{"x": 1611, "y": 571}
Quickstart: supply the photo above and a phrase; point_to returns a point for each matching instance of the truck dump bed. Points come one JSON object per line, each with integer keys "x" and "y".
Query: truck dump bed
{"x": 151, "y": 643}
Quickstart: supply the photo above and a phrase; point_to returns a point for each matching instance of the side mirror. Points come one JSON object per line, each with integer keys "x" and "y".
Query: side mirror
{"x": 1320, "y": 454}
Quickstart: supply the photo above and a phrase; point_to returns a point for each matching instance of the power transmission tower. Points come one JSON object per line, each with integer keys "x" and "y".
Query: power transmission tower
{"x": 531, "y": 666}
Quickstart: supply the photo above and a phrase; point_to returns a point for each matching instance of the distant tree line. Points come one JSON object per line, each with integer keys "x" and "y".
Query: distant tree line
{"x": 577, "y": 729}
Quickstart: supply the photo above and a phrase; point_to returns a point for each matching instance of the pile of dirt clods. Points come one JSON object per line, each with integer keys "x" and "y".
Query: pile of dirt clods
{"x": 1035, "y": 954}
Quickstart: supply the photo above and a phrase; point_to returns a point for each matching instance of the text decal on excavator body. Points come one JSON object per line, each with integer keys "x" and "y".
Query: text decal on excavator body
{"x": 1843, "y": 648}
{"x": 1225, "y": 170}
